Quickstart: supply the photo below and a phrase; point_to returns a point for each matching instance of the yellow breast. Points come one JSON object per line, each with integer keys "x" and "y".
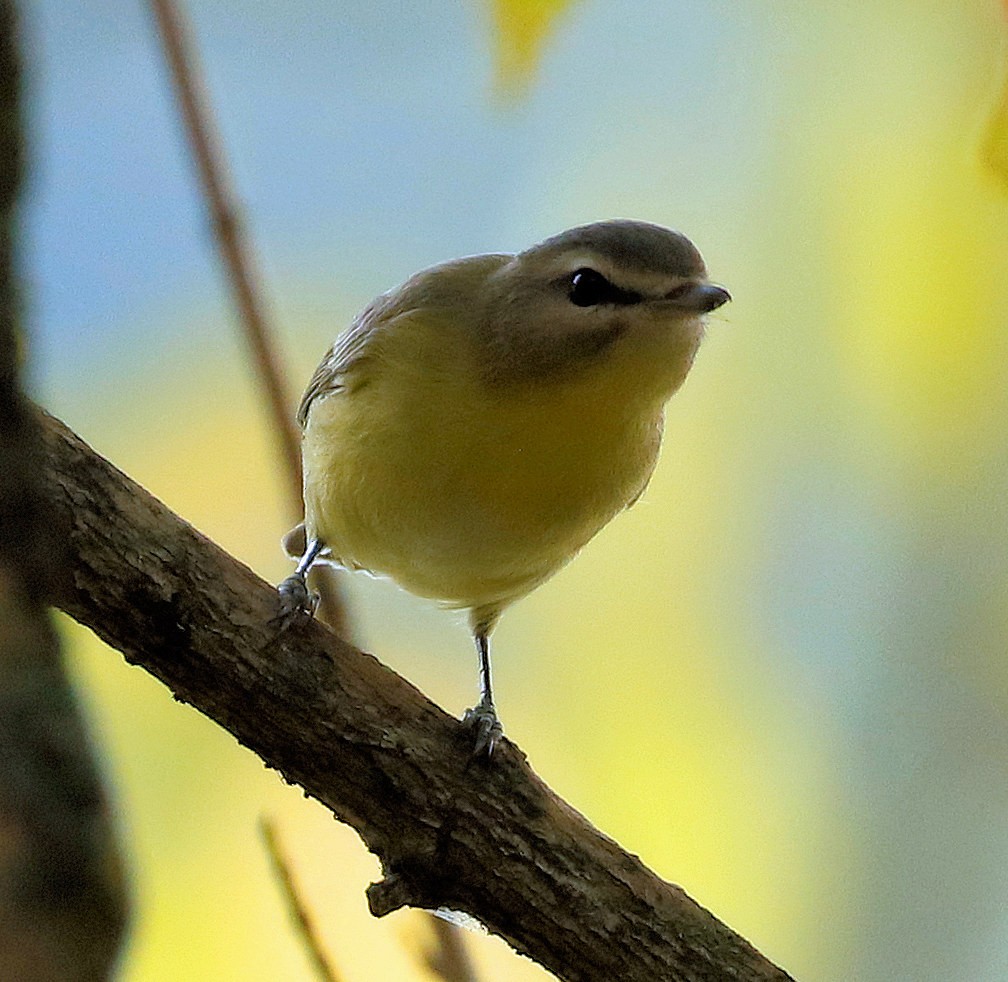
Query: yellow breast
{"x": 468, "y": 493}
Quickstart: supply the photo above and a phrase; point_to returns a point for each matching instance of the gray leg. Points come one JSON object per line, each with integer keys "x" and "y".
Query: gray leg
{"x": 483, "y": 717}
{"x": 295, "y": 597}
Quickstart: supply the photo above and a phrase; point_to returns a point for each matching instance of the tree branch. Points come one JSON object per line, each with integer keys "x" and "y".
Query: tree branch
{"x": 493, "y": 842}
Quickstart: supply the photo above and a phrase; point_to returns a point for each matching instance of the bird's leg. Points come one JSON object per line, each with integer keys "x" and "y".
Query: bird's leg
{"x": 483, "y": 716}
{"x": 295, "y": 598}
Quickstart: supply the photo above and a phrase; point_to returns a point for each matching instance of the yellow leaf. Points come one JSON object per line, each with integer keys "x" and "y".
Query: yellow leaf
{"x": 994, "y": 148}
{"x": 521, "y": 28}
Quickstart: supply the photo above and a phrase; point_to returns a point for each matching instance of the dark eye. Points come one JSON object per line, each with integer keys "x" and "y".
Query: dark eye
{"x": 588, "y": 287}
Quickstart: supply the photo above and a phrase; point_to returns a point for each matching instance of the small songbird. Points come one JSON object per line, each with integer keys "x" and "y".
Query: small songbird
{"x": 476, "y": 426}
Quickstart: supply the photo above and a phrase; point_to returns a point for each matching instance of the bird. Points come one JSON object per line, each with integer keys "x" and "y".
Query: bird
{"x": 476, "y": 426}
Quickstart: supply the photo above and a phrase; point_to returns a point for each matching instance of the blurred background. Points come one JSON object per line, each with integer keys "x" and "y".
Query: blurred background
{"x": 781, "y": 679}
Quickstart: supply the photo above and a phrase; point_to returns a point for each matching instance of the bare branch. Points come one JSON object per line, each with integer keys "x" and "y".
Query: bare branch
{"x": 493, "y": 842}
{"x": 235, "y": 251}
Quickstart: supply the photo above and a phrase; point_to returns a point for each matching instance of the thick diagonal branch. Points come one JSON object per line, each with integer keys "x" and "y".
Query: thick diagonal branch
{"x": 493, "y": 842}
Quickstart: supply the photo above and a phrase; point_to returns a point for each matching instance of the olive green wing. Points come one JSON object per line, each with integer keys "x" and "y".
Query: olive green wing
{"x": 348, "y": 352}
{"x": 449, "y": 287}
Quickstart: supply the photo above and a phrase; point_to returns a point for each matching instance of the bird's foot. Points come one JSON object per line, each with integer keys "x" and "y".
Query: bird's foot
{"x": 296, "y": 600}
{"x": 483, "y": 721}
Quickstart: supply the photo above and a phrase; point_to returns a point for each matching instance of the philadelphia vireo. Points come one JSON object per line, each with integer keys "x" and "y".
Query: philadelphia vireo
{"x": 476, "y": 426}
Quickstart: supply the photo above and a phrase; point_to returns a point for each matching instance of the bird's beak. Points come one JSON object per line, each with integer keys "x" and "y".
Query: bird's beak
{"x": 700, "y": 298}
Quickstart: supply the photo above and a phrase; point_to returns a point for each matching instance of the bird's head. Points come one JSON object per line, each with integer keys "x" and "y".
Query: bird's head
{"x": 620, "y": 292}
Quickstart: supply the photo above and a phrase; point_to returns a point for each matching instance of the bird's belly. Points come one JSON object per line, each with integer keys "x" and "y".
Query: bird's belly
{"x": 474, "y": 511}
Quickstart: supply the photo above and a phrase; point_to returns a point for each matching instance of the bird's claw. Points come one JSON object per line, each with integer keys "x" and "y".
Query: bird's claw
{"x": 295, "y": 600}
{"x": 483, "y": 721}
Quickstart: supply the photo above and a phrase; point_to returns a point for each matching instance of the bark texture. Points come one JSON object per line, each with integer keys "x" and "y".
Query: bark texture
{"x": 491, "y": 841}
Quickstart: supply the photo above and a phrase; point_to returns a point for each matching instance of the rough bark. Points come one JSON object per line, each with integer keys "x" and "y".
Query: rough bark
{"x": 491, "y": 841}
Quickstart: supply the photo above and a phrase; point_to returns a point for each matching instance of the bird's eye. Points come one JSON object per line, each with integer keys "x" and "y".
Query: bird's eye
{"x": 588, "y": 287}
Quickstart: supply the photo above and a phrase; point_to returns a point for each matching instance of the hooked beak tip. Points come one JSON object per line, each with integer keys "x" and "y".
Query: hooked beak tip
{"x": 710, "y": 296}
{"x": 698, "y": 298}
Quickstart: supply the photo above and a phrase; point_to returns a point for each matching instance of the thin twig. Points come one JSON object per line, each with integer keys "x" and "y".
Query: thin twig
{"x": 235, "y": 250}
{"x": 237, "y": 258}
{"x": 299, "y": 913}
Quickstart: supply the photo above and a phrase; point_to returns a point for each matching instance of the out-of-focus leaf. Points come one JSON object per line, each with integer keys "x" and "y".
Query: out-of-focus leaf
{"x": 994, "y": 148}
{"x": 521, "y": 28}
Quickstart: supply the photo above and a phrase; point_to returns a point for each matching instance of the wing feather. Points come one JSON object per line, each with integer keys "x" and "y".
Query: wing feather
{"x": 349, "y": 351}
{"x": 450, "y": 286}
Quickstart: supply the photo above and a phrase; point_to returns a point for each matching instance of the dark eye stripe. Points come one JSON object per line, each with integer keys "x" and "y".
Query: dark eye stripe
{"x": 589, "y": 288}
